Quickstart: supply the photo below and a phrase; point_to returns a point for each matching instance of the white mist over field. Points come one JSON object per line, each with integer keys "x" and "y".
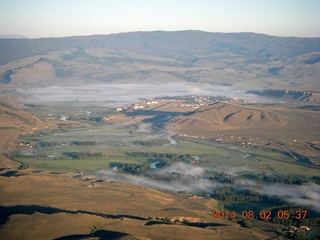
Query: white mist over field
{"x": 307, "y": 195}
{"x": 121, "y": 94}
{"x": 198, "y": 184}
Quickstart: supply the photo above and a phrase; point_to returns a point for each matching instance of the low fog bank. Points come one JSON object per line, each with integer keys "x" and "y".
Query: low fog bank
{"x": 191, "y": 179}
{"x": 195, "y": 184}
{"x": 306, "y": 195}
{"x": 123, "y": 94}
{"x": 183, "y": 168}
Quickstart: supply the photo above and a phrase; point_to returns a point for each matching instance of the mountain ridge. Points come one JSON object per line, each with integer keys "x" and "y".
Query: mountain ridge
{"x": 161, "y": 43}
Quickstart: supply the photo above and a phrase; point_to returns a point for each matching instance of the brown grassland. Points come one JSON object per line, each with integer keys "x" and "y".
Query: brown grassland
{"x": 46, "y": 205}
{"x": 58, "y": 95}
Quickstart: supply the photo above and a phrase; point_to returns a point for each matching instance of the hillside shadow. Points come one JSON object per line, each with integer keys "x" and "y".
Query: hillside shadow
{"x": 12, "y": 174}
{"x": 204, "y": 225}
{"x": 6, "y": 212}
{"x": 101, "y": 234}
{"x": 157, "y": 118}
{"x": 187, "y": 223}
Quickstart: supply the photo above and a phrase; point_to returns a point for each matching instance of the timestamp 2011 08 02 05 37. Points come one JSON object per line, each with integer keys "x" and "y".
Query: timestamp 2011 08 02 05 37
{"x": 263, "y": 214}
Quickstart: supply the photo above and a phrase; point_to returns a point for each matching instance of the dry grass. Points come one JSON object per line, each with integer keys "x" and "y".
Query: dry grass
{"x": 14, "y": 122}
{"x": 66, "y": 194}
{"x": 46, "y": 206}
{"x": 223, "y": 116}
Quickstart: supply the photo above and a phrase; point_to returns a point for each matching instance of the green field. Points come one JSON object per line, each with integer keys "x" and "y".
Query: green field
{"x": 114, "y": 141}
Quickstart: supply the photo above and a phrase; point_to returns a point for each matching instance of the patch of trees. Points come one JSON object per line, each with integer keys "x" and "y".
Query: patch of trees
{"x": 31, "y": 105}
{"x": 164, "y": 158}
{"x": 311, "y": 219}
{"x": 157, "y": 155}
{"x": 278, "y": 178}
{"x": 152, "y": 142}
{"x": 82, "y": 155}
{"x": 34, "y": 139}
{"x": 221, "y": 177}
{"x": 228, "y": 194}
{"x": 96, "y": 119}
{"x": 76, "y": 142}
{"x": 174, "y": 176}
{"x": 316, "y": 179}
{"x": 299, "y": 235}
{"x": 48, "y": 144}
{"x": 133, "y": 168}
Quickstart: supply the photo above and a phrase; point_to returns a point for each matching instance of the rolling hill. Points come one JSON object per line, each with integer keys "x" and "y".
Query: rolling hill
{"x": 225, "y": 116}
{"x": 15, "y": 122}
{"x": 258, "y": 47}
{"x": 60, "y": 206}
{"x": 269, "y": 123}
{"x": 246, "y": 60}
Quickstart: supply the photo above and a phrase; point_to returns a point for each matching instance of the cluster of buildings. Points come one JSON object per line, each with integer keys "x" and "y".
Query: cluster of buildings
{"x": 189, "y": 136}
{"x": 185, "y": 101}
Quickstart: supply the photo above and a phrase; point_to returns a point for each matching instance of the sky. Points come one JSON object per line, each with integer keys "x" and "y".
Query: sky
{"x": 58, "y": 18}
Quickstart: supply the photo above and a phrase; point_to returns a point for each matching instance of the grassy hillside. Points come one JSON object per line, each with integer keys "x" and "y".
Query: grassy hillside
{"x": 246, "y": 60}
{"x": 254, "y": 126}
{"x": 167, "y": 44}
{"x": 228, "y": 116}
{"x": 13, "y": 123}
{"x": 59, "y": 206}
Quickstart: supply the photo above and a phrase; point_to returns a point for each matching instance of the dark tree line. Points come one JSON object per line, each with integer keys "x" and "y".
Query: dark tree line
{"x": 279, "y": 178}
{"x": 152, "y": 142}
{"x": 133, "y": 168}
{"x": 159, "y": 155}
{"x": 165, "y": 159}
{"x": 76, "y": 142}
{"x": 81, "y": 155}
{"x": 228, "y": 194}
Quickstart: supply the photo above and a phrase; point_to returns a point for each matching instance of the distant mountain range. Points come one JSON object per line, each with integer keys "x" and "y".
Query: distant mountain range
{"x": 192, "y": 56}
{"x": 254, "y": 47}
{"x": 11, "y": 36}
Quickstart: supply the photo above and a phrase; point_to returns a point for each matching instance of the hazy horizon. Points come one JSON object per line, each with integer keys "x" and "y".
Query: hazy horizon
{"x": 42, "y": 19}
{"x": 20, "y": 36}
